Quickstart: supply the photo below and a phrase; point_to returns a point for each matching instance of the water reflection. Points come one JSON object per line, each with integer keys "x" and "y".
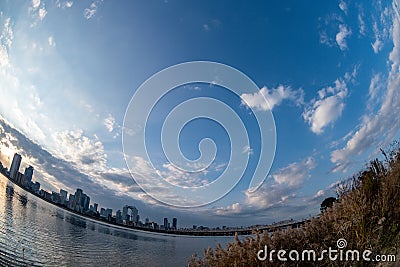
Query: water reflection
{"x": 36, "y": 233}
{"x": 9, "y": 191}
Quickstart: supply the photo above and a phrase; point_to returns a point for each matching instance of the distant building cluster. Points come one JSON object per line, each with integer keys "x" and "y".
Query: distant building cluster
{"x": 80, "y": 202}
{"x": 24, "y": 179}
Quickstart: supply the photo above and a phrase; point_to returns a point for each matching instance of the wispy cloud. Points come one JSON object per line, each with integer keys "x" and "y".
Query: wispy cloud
{"x": 109, "y": 123}
{"x": 213, "y": 24}
{"x": 327, "y": 28}
{"x": 51, "y": 41}
{"x": 38, "y": 12}
{"x": 64, "y": 4}
{"x": 278, "y": 192}
{"x": 378, "y": 44}
{"x": 294, "y": 174}
{"x": 343, "y": 6}
{"x": 85, "y": 152}
{"x": 6, "y": 38}
{"x": 268, "y": 99}
{"x": 361, "y": 23}
{"x": 91, "y": 11}
{"x": 342, "y": 35}
{"x": 382, "y": 126}
{"x": 35, "y": 4}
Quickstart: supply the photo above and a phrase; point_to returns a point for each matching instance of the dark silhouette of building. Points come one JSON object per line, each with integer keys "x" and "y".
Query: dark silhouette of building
{"x": 16, "y": 163}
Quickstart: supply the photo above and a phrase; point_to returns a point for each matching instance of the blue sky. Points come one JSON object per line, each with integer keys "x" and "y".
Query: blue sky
{"x": 329, "y": 71}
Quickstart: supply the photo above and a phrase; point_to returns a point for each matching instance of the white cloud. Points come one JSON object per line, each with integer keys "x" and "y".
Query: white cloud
{"x": 343, "y": 6}
{"x": 85, "y": 152}
{"x": 6, "y": 39}
{"x": 275, "y": 191}
{"x": 375, "y": 86}
{"x": 38, "y": 12}
{"x": 295, "y": 173}
{"x": 42, "y": 13}
{"x": 283, "y": 187}
{"x": 69, "y": 4}
{"x": 320, "y": 193}
{"x": 274, "y": 97}
{"x": 51, "y": 41}
{"x": 213, "y": 24}
{"x": 149, "y": 178}
{"x": 327, "y": 109}
{"x": 342, "y": 35}
{"x": 64, "y": 4}
{"x": 35, "y": 4}
{"x": 4, "y": 61}
{"x": 378, "y": 44}
{"x": 180, "y": 178}
{"x": 235, "y": 208}
{"x": 381, "y": 27}
{"x": 109, "y": 122}
{"x": 324, "y": 39}
{"x": 382, "y": 126}
{"x": 361, "y": 22}
{"x": 89, "y": 12}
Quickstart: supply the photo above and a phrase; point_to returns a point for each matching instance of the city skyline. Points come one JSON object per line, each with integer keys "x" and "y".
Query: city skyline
{"x": 80, "y": 202}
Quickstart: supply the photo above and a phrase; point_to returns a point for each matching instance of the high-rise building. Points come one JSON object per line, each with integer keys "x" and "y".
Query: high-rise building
{"x": 19, "y": 178}
{"x": 55, "y": 197}
{"x": 78, "y": 200}
{"x": 15, "y": 165}
{"x": 71, "y": 202}
{"x": 95, "y": 206}
{"x": 108, "y": 214}
{"x": 125, "y": 215}
{"x": 134, "y": 214}
{"x": 103, "y": 212}
{"x": 166, "y": 223}
{"x": 85, "y": 202}
{"x": 175, "y": 223}
{"x": 36, "y": 187}
{"x": 63, "y": 196}
{"x": 28, "y": 174}
{"x": 118, "y": 216}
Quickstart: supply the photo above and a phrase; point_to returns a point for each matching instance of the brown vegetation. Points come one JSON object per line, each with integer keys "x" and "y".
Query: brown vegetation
{"x": 366, "y": 214}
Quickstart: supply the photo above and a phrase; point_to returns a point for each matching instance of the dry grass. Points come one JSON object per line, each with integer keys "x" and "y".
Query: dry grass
{"x": 367, "y": 215}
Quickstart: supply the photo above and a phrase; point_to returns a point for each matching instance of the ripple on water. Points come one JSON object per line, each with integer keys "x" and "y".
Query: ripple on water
{"x": 36, "y": 233}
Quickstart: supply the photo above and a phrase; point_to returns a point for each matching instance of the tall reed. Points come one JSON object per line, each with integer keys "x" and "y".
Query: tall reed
{"x": 366, "y": 214}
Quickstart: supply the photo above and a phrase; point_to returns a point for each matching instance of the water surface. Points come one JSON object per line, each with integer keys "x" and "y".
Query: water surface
{"x": 36, "y": 233}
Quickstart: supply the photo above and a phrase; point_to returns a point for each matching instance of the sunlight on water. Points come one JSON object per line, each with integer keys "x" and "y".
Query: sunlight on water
{"x": 36, "y": 233}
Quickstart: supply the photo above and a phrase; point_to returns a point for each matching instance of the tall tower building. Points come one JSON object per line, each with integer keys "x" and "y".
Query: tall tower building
{"x": 85, "y": 202}
{"x": 135, "y": 213}
{"x": 166, "y": 223}
{"x": 174, "y": 223}
{"x": 78, "y": 200}
{"x": 28, "y": 175}
{"x": 15, "y": 165}
{"x": 63, "y": 196}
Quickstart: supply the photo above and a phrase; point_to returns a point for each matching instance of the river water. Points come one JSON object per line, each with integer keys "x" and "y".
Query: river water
{"x": 36, "y": 233}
